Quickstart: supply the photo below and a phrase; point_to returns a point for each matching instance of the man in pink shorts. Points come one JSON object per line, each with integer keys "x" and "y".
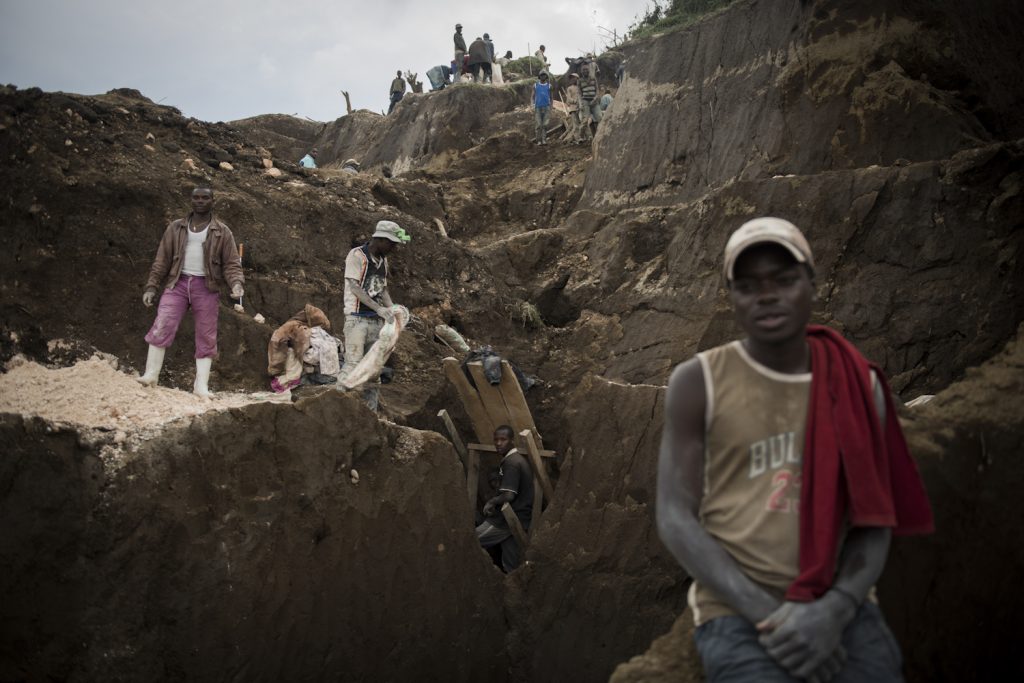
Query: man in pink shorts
{"x": 197, "y": 255}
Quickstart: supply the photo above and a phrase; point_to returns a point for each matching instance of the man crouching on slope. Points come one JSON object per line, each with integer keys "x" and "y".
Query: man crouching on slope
{"x": 782, "y": 474}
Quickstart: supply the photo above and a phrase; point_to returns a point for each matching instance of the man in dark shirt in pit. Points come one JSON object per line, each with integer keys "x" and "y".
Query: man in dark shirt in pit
{"x": 516, "y": 488}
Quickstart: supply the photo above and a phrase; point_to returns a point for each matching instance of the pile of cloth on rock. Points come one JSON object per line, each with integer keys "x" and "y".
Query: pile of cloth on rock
{"x": 303, "y": 351}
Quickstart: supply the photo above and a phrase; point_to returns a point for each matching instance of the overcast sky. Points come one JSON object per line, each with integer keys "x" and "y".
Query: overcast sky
{"x": 228, "y": 59}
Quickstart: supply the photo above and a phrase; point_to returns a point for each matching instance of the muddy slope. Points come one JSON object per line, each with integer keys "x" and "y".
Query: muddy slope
{"x": 426, "y": 130}
{"x": 813, "y": 87}
{"x": 954, "y": 597}
{"x": 888, "y": 132}
{"x": 95, "y": 180}
{"x": 597, "y": 572}
{"x": 286, "y": 137}
{"x": 236, "y": 546}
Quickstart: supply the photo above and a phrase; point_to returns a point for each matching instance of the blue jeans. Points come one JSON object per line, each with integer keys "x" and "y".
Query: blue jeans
{"x": 540, "y": 115}
{"x": 731, "y": 653}
{"x": 360, "y": 334}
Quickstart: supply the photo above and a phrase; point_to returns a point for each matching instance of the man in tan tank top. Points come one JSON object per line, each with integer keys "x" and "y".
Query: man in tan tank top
{"x": 729, "y": 481}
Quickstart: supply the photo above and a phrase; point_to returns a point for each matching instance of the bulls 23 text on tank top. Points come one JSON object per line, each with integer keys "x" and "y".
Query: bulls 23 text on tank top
{"x": 753, "y": 449}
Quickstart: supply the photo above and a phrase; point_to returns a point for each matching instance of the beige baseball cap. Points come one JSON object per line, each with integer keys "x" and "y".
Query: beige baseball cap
{"x": 767, "y": 229}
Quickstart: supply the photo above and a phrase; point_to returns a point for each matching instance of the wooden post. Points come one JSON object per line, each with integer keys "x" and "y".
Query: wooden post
{"x": 417, "y": 86}
{"x": 460, "y": 447}
{"x": 518, "y": 411}
{"x": 516, "y": 528}
{"x": 537, "y": 464}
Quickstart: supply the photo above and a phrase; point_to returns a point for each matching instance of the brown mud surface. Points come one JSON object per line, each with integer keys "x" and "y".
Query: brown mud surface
{"x": 234, "y": 543}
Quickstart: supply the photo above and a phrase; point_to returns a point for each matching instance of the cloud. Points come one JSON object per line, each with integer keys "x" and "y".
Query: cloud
{"x": 268, "y": 67}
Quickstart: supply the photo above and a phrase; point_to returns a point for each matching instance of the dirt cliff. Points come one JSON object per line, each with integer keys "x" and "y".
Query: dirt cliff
{"x": 886, "y": 131}
{"x": 237, "y": 546}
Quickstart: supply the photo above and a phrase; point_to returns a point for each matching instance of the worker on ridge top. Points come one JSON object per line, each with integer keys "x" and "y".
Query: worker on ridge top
{"x": 479, "y": 61}
{"x": 196, "y": 254}
{"x": 782, "y": 475}
{"x": 367, "y": 301}
{"x": 396, "y": 91}
{"x": 460, "y": 53}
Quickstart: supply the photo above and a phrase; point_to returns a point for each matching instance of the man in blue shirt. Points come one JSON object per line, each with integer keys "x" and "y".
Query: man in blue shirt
{"x": 542, "y": 106}
{"x": 308, "y": 161}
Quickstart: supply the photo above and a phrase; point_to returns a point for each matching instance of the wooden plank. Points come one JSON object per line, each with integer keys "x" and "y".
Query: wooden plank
{"x": 537, "y": 464}
{"x": 487, "y": 448}
{"x": 472, "y": 477}
{"x": 490, "y": 395}
{"x": 516, "y": 528}
{"x": 482, "y": 424}
{"x": 453, "y": 433}
{"x": 515, "y": 402}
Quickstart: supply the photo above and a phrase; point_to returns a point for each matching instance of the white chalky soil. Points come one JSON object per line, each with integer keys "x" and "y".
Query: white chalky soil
{"x": 94, "y": 394}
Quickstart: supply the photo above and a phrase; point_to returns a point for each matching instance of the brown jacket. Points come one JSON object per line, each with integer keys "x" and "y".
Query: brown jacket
{"x": 220, "y": 256}
{"x": 294, "y": 334}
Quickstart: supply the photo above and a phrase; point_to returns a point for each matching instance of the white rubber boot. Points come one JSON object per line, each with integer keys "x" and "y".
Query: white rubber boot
{"x": 201, "y": 387}
{"x": 154, "y": 361}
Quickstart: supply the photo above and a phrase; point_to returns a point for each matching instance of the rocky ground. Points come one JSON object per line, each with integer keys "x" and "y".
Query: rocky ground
{"x": 235, "y": 542}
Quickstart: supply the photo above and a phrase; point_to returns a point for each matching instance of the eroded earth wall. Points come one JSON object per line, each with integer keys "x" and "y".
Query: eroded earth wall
{"x": 887, "y": 131}
{"x": 596, "y": 572}
{"x": 236, "y": 546}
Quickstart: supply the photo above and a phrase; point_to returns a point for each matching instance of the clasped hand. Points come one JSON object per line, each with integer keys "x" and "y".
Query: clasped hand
{"x": 804, "y": 638}
{"x": 387, "y": 314}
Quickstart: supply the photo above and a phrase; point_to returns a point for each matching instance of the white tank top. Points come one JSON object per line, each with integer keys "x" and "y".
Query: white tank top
{"x": 194, "y": 264}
